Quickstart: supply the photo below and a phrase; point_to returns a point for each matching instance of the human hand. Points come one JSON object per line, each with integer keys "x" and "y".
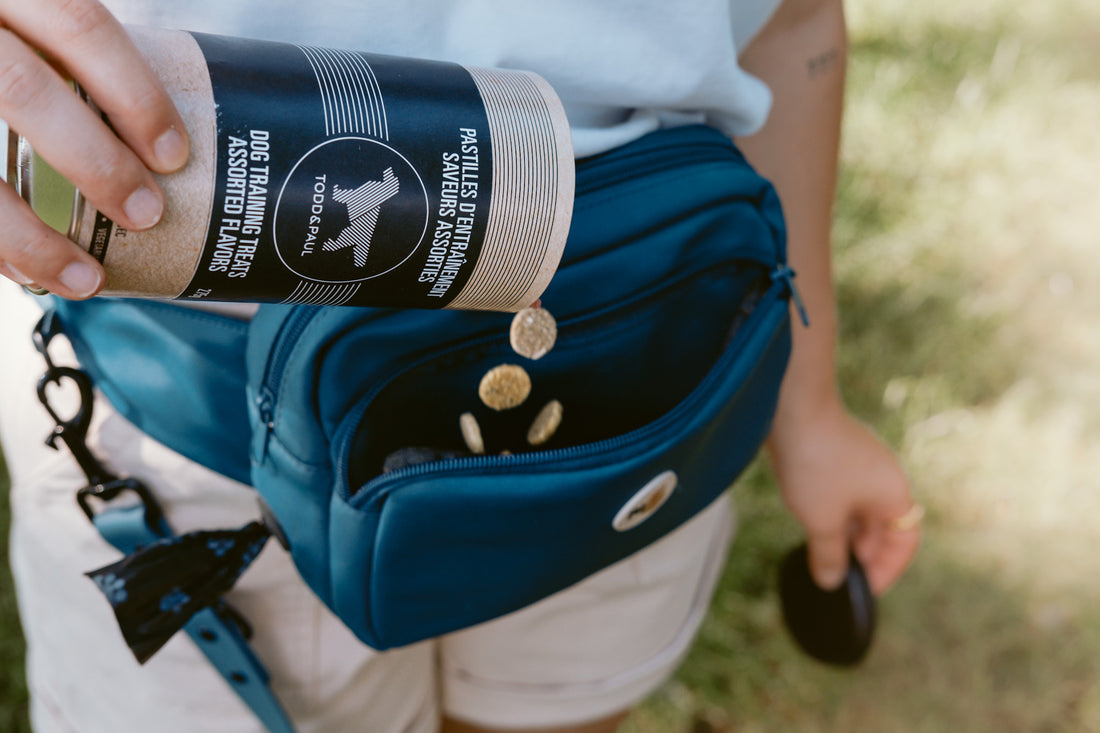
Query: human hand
{"x": 42, "y": 43}
{"x": 846, "y": 488}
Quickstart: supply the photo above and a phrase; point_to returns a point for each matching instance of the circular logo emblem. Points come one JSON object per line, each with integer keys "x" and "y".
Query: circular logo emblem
{"x": 352, "y": 209}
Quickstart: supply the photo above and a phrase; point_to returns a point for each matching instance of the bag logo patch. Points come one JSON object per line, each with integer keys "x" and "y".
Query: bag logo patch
{"x": 645, "y": 503}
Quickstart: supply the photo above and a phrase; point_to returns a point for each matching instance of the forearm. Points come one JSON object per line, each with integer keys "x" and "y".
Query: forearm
{"x": 842, "y": 484}
{"x": 801, "y": 55}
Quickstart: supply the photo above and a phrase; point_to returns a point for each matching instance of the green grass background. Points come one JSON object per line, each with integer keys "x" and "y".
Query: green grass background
{"x": 969, "y": 295}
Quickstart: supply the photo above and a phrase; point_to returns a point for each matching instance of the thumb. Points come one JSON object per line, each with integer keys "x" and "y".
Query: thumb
{"x": 828, "y": 554}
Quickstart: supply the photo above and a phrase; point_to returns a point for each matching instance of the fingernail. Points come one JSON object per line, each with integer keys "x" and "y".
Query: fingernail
{"x": 81, "y": 278}
{"x": 171, "y": 150}
{"x": 143, "y": 208}
{"x": 829, "y": 578}
{"x": 19, "y": 277}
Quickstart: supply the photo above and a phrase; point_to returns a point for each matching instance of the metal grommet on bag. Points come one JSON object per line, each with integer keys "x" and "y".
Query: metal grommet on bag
{"x": 645, "y": 503}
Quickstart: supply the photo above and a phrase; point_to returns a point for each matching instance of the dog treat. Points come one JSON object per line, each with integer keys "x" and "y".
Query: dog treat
{"x": 413, "y": 455}
{"x": 360, "y": 179}
{"x": 546, "y": 423}
{"x": 533, "y": 332}
{"x": 504, "y": 387}
{"x": 471, "y": 432}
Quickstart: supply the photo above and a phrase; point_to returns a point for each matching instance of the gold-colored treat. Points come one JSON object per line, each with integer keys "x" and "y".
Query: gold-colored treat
{"x": 504, "y": 387}
{"x": 471, "y": 433}
{"x": 546, "y": 423}
{"x": 533, "y": 333}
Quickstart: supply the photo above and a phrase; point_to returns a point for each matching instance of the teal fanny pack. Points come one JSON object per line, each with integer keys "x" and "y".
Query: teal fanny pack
{"x": 673, "y": 337}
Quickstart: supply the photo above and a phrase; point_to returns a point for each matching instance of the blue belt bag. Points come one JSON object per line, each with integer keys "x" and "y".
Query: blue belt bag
{"x": 673, "y": 337}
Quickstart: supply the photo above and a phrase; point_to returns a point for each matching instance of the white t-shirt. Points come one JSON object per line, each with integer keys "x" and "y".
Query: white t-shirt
{"x": 622, "y": 67}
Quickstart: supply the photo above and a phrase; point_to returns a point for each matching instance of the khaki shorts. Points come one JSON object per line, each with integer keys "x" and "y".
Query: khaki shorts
{"x": 587, "y": 652}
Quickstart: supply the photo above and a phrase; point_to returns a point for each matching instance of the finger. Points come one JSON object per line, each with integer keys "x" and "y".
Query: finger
{"x": 15, "y": 275}
{"x": 884, "y": 548}
{"x": 68, "y": 134}
{"x": 893, "y": 552}
{"x": 93, "y": 46}
{"x": 828, "y": 551}
{"x": 32, "y": 253}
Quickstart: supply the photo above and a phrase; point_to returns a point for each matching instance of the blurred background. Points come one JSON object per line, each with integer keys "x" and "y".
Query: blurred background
{"x": 969, "y": 295}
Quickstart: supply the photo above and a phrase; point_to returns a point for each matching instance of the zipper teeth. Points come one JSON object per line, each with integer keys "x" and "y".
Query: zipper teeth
{"x": 285, "y": 342}
{"x": 561, "y": 454}
{"x": 697, "y": 152}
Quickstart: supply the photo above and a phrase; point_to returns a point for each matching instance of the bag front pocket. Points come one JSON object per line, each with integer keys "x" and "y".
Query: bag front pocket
{"x": 675, "y": 386}
{"x": 615, "y": 371}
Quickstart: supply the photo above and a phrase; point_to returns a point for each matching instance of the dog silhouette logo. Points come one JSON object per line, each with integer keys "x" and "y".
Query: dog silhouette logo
{"x": 364, "y": 204}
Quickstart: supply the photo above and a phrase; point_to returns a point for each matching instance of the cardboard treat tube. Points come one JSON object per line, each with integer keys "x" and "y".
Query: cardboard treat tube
{"x": 334, "y": 177}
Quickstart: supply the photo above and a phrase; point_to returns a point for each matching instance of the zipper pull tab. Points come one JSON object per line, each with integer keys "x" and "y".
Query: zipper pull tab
{"x": 265, "y": 406}
{"x": 787, "y": 275}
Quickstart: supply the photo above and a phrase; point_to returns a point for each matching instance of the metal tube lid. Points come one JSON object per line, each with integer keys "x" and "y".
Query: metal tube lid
{"x": 53, "y": 198}
{"x": 6, "y": 143}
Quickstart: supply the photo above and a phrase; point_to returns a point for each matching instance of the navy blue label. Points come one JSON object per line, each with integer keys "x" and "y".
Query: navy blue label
{"x": 342, "y": 177}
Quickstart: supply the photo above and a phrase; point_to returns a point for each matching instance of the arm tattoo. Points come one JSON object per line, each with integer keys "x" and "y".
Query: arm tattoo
{"x": 823, "y": 62}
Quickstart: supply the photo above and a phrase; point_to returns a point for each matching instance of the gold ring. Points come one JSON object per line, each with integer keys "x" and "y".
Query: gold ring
{"x": 908, "y": 521}
{"x": 33, "y": 289}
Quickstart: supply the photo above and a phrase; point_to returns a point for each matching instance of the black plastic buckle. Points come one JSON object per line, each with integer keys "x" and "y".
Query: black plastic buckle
{"x": 110, "y": 491}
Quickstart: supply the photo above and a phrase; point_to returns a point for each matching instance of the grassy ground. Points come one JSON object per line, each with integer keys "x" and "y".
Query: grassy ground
{"x": 970, "y": 306}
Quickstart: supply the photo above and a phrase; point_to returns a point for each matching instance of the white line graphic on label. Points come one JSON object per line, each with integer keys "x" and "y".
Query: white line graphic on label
{"x": 310, "y": 293}
{"x": 350, "y": 96}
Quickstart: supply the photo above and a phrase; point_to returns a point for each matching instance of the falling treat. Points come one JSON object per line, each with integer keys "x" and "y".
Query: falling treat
{"x": 504, "y": 387}
{"x": 533, "y": 332}
{"x": 546, "y": 423}
{"x": 471, "y": 433}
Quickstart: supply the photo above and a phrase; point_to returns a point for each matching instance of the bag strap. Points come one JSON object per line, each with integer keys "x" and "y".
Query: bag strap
{"x": 176, "y": 373}
{"x": 218, "y": 631}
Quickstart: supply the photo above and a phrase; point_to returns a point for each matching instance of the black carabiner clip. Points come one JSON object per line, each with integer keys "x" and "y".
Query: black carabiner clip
{"x": 74, "y": 430}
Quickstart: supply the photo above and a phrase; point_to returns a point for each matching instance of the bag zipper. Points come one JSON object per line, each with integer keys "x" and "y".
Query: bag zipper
{"x": 780, "y": 286}
{"x": 286, "y": 339}
{"x": 785, "y": 274}
{"x": 656, "y": 158}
